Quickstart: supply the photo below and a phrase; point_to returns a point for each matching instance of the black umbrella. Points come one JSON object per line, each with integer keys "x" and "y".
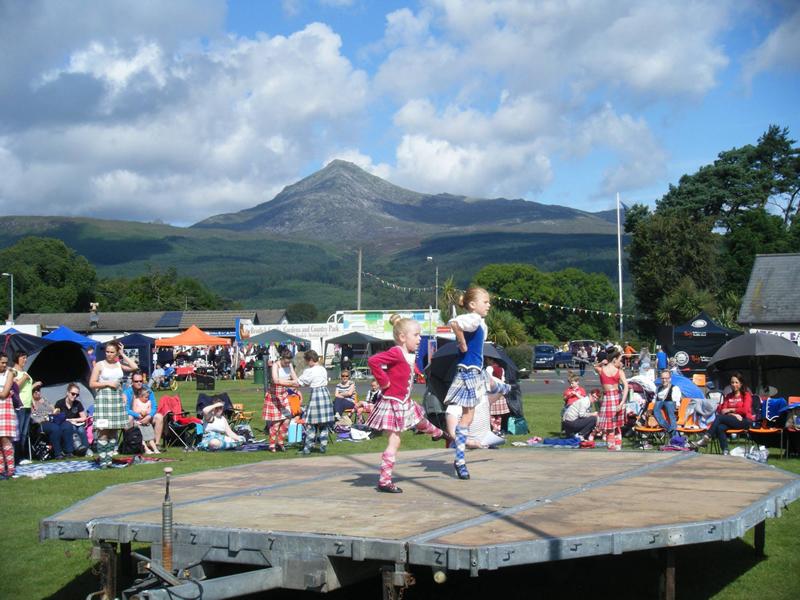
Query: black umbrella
{"x": 442, "y": 369}
{"x": 769, "y": 359}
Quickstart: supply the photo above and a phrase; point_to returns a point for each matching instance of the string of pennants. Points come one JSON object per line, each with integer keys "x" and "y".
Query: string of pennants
{"x": 394, "y": 286}
{"x": 515, "y": 301}
{"x": 573, "y": 309}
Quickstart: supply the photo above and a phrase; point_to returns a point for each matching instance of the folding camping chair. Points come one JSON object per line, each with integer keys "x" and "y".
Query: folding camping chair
{"x": 240, "y": 416}
{"x": 179, "y": 425}
{"x": 648, "y": 432}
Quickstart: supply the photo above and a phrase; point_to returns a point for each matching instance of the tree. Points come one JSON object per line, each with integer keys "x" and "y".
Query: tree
{"x": 741, "y": 179}
{"x": 448, "y": 298}
{"x": 505, "y": 329}
{"x": 665, "y": 249}
{"x": 552, "y": 306}
{"x": 156, "y": 290}
{"x": 48, "y": 276}
{"x": 301, "y": 312}
{"x": 752, "y": 232}
{"x": 683, "y": 302}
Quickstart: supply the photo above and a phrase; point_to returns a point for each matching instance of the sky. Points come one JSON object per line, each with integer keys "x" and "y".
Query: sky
{"x": 176, "y": 111}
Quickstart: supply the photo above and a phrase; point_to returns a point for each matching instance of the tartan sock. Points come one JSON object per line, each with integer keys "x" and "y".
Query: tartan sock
{"x": 461, "y": 444}
{"x": 323, "y": 436}
{"x": 427, "y": 427}
{"x": 311, "y": 434}
{"x": 387, "y": 466}
{"x": 103, "y": 452}
{"x": 273, "y": 433}
{"x": 8, "y": 458}
{"x": 497, "y": 422}
{"x": 113, "y": 443}
{"x": 282, "y": 430}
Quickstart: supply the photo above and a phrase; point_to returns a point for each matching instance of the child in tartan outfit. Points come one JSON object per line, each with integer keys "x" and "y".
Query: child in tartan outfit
{"x": 396, "y": 412}
{"x": 612, "y": 410}
{"x": 110, "y": 413}
{"x": 469, "y": 385}
{"x": 318, "y": 414}
{"x": 8, "y": 417}
{"x": 277, "y": 411}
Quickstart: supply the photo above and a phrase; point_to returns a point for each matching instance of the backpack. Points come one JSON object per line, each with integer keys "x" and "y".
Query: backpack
{"x": 41, "y": 450}
{"x": 131, "y": 441}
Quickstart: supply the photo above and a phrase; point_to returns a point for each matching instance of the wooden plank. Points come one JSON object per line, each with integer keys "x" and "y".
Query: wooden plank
{"x": 593, "y": 491}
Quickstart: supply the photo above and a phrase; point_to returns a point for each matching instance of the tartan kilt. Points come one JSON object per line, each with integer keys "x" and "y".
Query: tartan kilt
{"x": 226, "y": 442}
{"x": 320, "y": 408}
{"x": 8, "y": 419}
{"x": 276, "y": 404}
{"x": 609, "y": 418}
{"x": 498, "y": 405}
{"x": 467, "y": 388}
{"x": 391, "y": 414}
{"x": 110, "y": 405}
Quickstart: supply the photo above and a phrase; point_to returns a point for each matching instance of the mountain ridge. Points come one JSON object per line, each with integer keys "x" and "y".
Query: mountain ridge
{"x": 344, "y": 200}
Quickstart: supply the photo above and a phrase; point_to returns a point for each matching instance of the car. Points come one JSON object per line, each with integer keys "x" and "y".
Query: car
{"x": 545, "y": 356}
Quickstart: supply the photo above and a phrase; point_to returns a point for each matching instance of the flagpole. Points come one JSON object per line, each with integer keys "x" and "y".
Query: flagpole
{"x": 619, "y": 268}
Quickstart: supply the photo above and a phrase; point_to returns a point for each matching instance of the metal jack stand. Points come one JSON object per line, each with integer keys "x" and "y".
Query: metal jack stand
{"x": 395, "y": 581}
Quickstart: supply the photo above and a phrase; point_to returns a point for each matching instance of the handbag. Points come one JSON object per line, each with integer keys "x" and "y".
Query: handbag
{"x": 517, "y": 425}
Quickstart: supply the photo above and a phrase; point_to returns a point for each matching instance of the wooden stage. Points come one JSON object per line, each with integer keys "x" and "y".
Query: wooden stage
{"x": 319, "y": 518}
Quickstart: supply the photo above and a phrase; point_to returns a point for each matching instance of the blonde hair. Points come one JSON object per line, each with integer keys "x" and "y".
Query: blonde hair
{"x": 572, "y": 377}
{"x": 401, "y": 325}
{"x": 471, "y": 295}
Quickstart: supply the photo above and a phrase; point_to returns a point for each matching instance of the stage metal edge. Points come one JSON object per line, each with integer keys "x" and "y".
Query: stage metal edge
{"x": 265, "y": 548}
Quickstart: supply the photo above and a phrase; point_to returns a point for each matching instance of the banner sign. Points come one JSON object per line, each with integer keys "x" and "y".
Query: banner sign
{"x": 792, "y": 336}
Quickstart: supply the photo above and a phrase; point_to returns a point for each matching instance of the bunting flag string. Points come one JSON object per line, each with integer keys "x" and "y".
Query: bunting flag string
{"x": 513, "y": 301}
{"x": 396, "y": 286}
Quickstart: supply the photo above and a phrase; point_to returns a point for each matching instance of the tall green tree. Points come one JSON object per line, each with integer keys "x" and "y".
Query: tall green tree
{"x": 570, "y": 288}
{"x": 156, "y": 290}
{"x": 48, "y": 276}
{"x": 666, "y": 248}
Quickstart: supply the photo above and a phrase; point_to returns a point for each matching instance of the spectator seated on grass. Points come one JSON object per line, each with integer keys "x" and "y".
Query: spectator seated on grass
{"x": 579, "y": 419}
{"x": 157, "y": 376}
{"x": 217, "y": 432}
{"x": 345, "y": 395}
{"x": 67, "y": 417}
{"x": 154, "y": 419}
{"x": 142, "y": 406}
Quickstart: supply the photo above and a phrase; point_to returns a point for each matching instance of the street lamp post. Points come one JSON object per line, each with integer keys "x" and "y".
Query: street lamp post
{"x": 11, "y": 313}
{"x": 436, "y": 284}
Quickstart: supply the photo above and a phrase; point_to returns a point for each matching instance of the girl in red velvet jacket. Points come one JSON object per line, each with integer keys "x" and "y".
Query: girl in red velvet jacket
{"x": 396, "y": 412}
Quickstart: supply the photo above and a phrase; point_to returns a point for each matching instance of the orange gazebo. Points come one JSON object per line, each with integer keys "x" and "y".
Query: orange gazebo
{"x": 194, "y": 336}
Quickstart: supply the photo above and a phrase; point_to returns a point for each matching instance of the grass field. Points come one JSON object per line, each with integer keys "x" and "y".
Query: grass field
{"x": 57, "y": 569}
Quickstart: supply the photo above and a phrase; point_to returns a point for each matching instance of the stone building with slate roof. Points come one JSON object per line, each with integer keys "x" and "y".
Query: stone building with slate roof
{"x": 155, "y": 323}
{"x": 772, "y": 300}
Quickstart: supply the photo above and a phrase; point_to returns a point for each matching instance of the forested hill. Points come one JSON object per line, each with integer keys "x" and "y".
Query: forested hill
{"x": 258, "y": 269}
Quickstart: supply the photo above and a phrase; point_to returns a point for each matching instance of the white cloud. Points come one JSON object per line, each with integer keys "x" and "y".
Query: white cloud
{"x": 183, "y": 135}
{"x": 780, "y": 49}
{"x": 642, "y": 160}
{"x": 435, "y": 165}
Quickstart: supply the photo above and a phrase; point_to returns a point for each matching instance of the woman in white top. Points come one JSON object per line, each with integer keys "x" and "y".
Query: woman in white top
{"x": 217, "y": 432}
{"x": 109, "y": 403}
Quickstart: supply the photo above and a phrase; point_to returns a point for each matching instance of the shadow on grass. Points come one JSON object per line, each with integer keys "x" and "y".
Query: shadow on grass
{"x": 702, "y": 571}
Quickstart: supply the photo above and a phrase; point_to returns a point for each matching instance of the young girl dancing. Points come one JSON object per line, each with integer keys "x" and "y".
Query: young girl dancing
{"x": 469, "y": 384}
{"x": 612, "y": 410}
{"x": 276, "y": 410}
{"x": 396, "y": 412}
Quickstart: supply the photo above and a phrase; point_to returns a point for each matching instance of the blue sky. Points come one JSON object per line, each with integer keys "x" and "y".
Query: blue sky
{"x": 144, "y": 110}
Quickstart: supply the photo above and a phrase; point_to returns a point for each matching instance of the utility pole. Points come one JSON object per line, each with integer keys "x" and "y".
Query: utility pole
{"x": 358, "y": 293}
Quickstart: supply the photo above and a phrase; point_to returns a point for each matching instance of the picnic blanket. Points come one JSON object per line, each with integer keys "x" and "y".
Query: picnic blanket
{"x": 41, "y": 470}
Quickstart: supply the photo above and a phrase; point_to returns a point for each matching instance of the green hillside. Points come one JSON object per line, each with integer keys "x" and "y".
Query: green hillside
{"x": 260, "y": 270}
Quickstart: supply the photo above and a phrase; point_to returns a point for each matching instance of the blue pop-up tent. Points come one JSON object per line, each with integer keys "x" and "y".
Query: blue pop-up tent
{"x": 143, "y": 346}
{"x": 65, "y": 334}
